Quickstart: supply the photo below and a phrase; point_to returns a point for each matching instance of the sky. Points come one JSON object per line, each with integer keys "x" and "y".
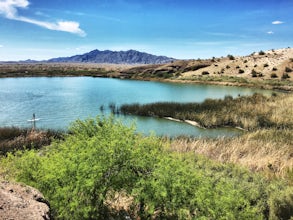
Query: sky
{"x": 182, "y": 29}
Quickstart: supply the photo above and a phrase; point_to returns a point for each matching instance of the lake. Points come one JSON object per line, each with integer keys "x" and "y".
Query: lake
{"x": 58, "y": 101}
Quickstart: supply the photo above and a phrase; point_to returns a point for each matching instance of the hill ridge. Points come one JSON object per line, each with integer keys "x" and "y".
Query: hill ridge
{"x": 116, "y": 57}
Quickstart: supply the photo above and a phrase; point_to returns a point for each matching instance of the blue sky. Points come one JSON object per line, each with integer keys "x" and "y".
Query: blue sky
{"x": 185, "y": 29}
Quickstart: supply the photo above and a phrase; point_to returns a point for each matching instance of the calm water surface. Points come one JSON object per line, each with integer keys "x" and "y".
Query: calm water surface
{"x": 58, "y": 101}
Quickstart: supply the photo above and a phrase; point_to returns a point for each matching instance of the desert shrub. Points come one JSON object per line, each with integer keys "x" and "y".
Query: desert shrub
{"x": 228, "y": 67}
{"x": 231, "y": 57}
{"x": 261, "y": 52}
{"x": 254, "y": 73}
{"x": 274, "y": 69}
{"x": 274, "y": 75}
{"x": 245, "y": 61}
{"x": 265, "y": 65}
{"x": 288, "y": 70}
{"x": 285, "y": 76}
{"x": 205, "y": 73}
{"x": 241, "y": 71}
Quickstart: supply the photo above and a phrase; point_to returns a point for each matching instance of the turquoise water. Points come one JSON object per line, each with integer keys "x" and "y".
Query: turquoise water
{"x": 58, "y": 101}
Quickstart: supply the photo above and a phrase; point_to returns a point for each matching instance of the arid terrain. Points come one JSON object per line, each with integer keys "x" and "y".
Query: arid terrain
{"x": 271, "y": 69}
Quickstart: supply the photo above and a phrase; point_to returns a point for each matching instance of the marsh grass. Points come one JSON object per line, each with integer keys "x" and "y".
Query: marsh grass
{"x": 248, "y": 112}
{"x": 13, "y": 138}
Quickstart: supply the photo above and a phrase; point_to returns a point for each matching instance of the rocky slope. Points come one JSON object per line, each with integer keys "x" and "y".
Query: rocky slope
{"x": 264, "y": 65}
{"x": 19, "y": 202}
{"x": 117, "y": 57}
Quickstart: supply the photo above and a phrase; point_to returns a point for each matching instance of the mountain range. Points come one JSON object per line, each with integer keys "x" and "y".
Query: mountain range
{"x": 116, "y": 57}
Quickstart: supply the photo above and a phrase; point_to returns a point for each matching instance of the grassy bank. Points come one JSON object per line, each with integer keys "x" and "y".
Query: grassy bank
{"x": 248, "y": 112}
{"x": 104, "y": 170}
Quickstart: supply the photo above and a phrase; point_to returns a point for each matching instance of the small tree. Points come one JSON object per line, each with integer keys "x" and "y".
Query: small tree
{"x": 261, "y": 52}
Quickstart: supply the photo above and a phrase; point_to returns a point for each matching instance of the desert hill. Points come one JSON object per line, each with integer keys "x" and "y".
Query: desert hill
{"x": 262, "y": 65}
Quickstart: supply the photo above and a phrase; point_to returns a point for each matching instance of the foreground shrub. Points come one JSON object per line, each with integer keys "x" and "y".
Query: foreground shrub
{"x": 101, "y": 158}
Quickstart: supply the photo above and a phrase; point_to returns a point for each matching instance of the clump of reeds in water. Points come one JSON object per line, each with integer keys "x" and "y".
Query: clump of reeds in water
{"x": 247, "y": 112}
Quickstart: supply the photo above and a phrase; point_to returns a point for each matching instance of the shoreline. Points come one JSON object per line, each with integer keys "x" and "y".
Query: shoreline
{"x": 114, "y": 73}
{"x": 193, "y": 123}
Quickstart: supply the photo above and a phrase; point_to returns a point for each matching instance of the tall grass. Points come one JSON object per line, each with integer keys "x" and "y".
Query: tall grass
{"x": 13, "y": 138}
{"x": 269, "y": 151}
{"x": 248, "y": 112}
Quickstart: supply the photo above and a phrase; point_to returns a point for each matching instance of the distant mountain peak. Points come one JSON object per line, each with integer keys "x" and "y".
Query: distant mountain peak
{"x": 116, "y": 57}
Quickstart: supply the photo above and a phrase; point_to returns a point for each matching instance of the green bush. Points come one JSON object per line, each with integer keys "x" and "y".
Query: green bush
{"x": 102, "y": 157}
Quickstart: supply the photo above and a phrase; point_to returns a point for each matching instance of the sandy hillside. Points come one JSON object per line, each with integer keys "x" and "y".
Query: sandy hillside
{"x": 269, "y": 64}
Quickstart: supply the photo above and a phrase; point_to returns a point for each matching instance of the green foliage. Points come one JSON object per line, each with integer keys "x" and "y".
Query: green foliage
{"x": 102, "y": 157}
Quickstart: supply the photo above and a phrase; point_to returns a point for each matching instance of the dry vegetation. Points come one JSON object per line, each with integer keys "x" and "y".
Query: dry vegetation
{"x": 266, "y": 146}
{"x": 267, "y": 151}
{"x": 59, "y": 69}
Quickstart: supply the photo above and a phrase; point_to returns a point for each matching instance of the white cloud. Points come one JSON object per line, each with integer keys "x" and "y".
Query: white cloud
{"x": 277, "y": 22}
{"x": 270, "y": 32}
{"x": 8, "y": 9}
